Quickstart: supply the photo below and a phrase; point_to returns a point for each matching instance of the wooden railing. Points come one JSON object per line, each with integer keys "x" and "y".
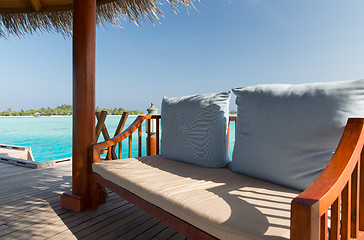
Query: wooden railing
{"x": 153, "y": 139}
{"x": 338, "y": 192}
{"x": 101, "y": 128}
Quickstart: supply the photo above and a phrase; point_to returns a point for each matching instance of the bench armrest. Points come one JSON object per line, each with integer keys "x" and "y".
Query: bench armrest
{"x": 339, "y": 187}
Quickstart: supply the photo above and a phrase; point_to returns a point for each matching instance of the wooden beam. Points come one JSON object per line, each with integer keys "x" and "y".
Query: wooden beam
{"x": 119, "y": 129}
{"x": 122, "y": 122}
{"x": 37, "y": 5}
{"x": 84, "y": 36}
{"x": 102, "y": 127}
{"x": 101, "y": 116}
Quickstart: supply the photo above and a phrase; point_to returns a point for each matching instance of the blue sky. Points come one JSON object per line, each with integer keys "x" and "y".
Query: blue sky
{"x": 225, "y": 44}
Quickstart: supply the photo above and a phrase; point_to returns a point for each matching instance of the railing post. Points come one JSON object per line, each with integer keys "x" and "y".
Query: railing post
{"x": 151, "y": 131}
{"x": 305, "y": 219}
{"x": 361, "y": 192}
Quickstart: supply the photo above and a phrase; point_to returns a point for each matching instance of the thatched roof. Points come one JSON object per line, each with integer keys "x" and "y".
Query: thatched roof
{"x": 21, "y": 17}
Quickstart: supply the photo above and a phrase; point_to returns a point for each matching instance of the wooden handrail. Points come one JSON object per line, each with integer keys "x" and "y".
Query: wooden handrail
{"x": 109, "y": 145}
{"x": 338, "y": 185}
{"x": 101, "y": 148}
{"x": 232, "y": 118}
{"x": 101, "y": 127}
{"x": 97, "y": 148}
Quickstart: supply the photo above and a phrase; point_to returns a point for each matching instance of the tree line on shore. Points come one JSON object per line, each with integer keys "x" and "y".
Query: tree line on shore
{"x": 64, "y": 110}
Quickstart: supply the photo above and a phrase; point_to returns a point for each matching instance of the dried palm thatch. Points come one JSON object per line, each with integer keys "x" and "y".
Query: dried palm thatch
{"x": 19, "y": 17}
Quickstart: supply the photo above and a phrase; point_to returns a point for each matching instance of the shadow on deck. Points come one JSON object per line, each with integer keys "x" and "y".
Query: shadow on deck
{"x": 30, "y": 209}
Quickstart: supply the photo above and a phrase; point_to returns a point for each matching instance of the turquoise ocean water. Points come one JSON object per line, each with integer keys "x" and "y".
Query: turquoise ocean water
{"x": 51, "y": 137}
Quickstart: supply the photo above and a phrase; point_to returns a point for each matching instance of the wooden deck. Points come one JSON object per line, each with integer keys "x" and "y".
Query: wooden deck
{"x": 30, "y": 209}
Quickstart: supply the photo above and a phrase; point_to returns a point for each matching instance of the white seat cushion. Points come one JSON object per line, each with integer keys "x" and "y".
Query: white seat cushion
{"x": 225, "y": 204}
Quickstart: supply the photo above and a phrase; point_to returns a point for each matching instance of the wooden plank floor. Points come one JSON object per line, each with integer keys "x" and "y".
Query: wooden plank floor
{"x": 30, "y": 209}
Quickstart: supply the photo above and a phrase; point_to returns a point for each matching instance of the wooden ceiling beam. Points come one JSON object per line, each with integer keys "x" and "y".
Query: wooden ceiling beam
{"x": 37, "y": 5}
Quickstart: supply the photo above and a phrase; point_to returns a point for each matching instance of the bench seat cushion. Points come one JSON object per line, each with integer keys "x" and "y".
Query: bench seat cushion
{"x": 223, "y": 203}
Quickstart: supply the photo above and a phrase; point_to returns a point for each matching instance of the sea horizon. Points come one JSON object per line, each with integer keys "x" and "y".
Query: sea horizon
{"x": 50, "y": 137}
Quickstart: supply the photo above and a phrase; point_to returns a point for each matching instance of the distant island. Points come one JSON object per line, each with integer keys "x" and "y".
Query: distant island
{"x": 64, "y": 110}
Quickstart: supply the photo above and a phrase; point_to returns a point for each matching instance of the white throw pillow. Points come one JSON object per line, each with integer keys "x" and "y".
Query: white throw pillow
{"x": 287, "y": 134}
{"x": 194, "y": 129}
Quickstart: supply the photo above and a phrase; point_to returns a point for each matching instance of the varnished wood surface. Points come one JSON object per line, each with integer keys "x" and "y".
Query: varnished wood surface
{"x": 83, "y": 107}
{"x": 30, "y": 209}
{"x": 97, "y": 148}
{"x": 101, "y": 127}
{"x": 341, "y": 179}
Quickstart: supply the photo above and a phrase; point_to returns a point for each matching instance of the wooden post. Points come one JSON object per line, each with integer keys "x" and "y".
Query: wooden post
{"x": 361, "y": 192}
{"x": 151, "y": 139}
{"x": 305, "y": 220}
{"x": 151, "y": 130}
{"x": 84, "y": 35}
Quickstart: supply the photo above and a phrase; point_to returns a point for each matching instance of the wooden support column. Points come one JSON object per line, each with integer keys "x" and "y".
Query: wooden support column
{"x": 152, "y": 145}
{"x": 152, "y": 131}
{"x": 84, "y": 35}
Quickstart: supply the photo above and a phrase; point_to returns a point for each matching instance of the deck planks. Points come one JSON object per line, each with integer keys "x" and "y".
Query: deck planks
{"x": 30, "y": 209}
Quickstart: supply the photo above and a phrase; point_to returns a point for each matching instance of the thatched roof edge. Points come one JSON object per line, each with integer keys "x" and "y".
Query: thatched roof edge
{"x": 60, "y": 21}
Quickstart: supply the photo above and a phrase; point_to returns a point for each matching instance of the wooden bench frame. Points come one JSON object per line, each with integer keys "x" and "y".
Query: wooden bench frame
{"x": 340, "y": 186}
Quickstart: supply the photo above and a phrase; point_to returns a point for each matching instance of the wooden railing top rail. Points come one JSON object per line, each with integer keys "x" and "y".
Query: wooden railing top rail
{"x": 336, "y": 175}
{"x": 232, "y": 118}
{"x": 118, "y": 138}
{"x": 97, "y": 148}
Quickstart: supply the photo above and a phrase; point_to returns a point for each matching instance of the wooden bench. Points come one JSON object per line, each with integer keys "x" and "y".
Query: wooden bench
{"x": 331, "y": 208}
